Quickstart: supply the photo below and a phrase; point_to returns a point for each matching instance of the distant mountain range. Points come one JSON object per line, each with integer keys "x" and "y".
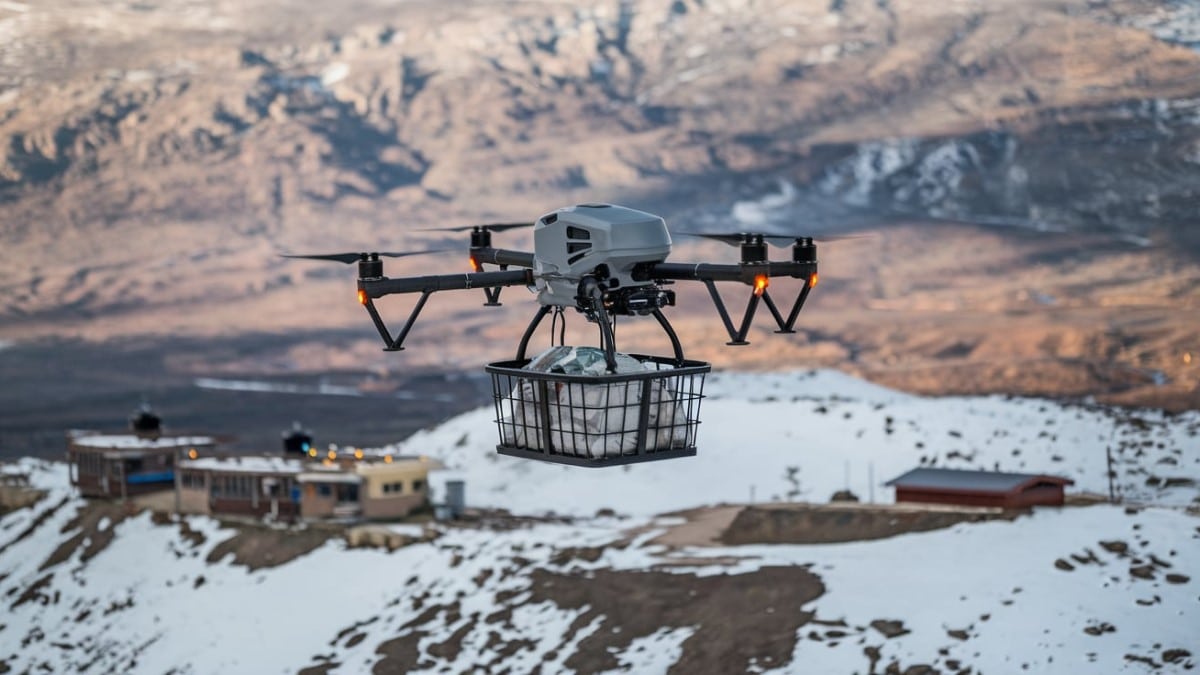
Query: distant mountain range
{"x": 155, "y": 157}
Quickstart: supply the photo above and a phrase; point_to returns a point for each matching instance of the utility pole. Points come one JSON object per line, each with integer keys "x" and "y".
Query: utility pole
{"x": 871, "y": 482}
{"x": 1112, "y": 495}
{"x": 178, "y": 478}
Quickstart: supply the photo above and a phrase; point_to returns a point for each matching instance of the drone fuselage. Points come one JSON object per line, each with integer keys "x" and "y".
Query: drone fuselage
{"x": 601, "y": 241}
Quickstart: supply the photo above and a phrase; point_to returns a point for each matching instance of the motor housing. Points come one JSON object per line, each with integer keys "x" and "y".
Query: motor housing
{"x": 602, "y": 240}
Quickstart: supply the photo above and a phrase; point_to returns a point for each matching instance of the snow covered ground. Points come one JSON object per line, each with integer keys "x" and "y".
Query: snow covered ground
{"x": 837, "y": 431}
{"x": 1084, "y": 589}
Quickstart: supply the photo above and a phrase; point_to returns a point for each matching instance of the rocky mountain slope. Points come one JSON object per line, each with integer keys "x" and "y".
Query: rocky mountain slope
{"x": 154, "y": 157}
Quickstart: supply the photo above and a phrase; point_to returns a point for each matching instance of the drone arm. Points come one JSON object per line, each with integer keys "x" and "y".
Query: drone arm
{"x": 744, "y": 272}
{"x": 500, "y": 256}
{"x": 754, "y": 274}
{"x": 377, "y": 288}
{"x": 369, "y": 289}
{"x": 497, "y": 256}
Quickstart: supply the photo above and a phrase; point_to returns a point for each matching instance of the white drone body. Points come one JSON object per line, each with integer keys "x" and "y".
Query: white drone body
{"x": 600, "y": 240}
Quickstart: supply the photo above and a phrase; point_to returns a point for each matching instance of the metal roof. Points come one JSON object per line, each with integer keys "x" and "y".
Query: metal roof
{"x": 961, "y": 480}
{"x": 330, "y": 477}
{"x": 245, "y": 464}
{"x": 135, "y": 442}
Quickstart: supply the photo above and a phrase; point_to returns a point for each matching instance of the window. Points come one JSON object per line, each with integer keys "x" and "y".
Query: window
{"x": 232, "y": 487}
{"x": 323, "y": 489}
{"x": 280, "y": 489}
{"x": 192, "y": 480}
{"x": 418, "y": 485}
{"x": 90, "y": 463}
{"x": 347, "y": 493}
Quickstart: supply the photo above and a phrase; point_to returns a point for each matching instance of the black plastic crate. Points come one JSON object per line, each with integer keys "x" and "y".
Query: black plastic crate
{"x": 599, "y": 420}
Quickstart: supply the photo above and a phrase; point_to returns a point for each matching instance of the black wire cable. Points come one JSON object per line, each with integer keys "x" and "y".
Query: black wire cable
{"x": 561, "y": 328}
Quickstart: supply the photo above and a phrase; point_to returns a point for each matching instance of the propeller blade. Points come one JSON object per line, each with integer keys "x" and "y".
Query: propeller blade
{"x": 786, "y": 240}
{"x": 494, "y": 227}
{"x": 349, "y": 258}
{"x": 732, "y": 239}
{"x": 335, "y": 257}
{"x": 780, "y": 240}
{"x": 404, "y": 254}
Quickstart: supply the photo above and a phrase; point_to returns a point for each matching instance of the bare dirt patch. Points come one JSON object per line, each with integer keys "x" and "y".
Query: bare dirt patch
{"x": 37, "y": 522}
{"x": 832, "y": 523}
{"x": 259, "y": 546}
{"x": 704, "y": 527}
{"x": 93, "y": 526}
{"x": 739, "y": 620}
{"x": 14, "y": 498}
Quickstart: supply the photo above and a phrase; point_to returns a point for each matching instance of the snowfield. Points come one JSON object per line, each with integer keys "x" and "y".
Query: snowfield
{"x": 1105, "y": 588}
{"x": 837, "y": 431}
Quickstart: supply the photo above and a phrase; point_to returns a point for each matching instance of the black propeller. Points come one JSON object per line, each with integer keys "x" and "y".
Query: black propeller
{"x": 358, "y": 257}
{"x": 780, "y": 240}
{"x": 494, "y": 227}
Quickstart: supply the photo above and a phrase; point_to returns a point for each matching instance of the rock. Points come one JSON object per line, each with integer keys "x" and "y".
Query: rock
{"x": 1178, "y": 578}
{"x": 844, "y": 496}
{"x": 1115, "y": 546}
{"x": 1063, "y": 565}
{"x": 1158, "y": 562}
{"x": 1175, "y": 655}
{"x": 1143, "y": 659}
{"x": 872, "y": 653}
{"x": 1142, "y": 571}
{"x": 1088, "y": 557}
{"x": 1100, "y": 628}
{"x": 890, "y": 628}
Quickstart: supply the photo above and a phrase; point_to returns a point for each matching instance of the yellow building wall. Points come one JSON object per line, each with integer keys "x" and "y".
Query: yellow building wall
{"x": 376, "y": 475}
{"x": 377, "y": 504}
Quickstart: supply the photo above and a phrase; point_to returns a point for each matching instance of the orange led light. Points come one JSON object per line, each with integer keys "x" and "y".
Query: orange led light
{"x": 192, "y": 454}
{"x": 387, "y": 459}
{"x": 332, "y": 454}
{"x": 760, "y": 283}
{"x": 358, "y": 454}
{"x": 475, "y": 267}
{"x": 362, "y": 297}
{"x": 812, "y": 281}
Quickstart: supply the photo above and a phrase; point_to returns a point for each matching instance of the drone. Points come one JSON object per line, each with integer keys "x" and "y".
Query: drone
{"x": 597, "y": 407}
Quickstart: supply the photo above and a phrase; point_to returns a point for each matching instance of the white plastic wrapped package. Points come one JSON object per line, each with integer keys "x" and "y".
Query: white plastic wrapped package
{"x": 593, "y": 420}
